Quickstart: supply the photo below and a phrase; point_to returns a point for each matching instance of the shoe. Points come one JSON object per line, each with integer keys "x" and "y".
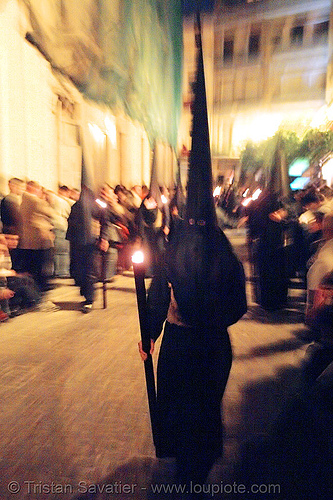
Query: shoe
{"x": 108, "y": 280}
{"x": 16, "y": 312}
{"x": 86, "y": 308}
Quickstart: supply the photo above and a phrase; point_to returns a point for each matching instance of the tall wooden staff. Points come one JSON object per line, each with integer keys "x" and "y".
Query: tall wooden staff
{"x": 103, "y": 276}
{"x": 139, "y": 277}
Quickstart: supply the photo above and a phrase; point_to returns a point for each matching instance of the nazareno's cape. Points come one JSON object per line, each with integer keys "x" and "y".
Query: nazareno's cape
{"x": 207, "y": 278}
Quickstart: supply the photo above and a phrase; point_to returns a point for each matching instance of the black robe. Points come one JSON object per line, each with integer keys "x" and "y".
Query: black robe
{"x": 83, "y": 243}
{"x": 194, "y": 360}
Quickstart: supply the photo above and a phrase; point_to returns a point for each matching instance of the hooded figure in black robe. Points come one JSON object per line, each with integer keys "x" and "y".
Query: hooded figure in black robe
{"x": 199, "y": 291}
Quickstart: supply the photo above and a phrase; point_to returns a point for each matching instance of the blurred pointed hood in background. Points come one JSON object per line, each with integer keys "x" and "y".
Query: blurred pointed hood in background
{"x": 154, "y": 188}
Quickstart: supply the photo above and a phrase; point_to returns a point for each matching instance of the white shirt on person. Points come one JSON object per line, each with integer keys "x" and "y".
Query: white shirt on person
{"x": 322, "y": 265}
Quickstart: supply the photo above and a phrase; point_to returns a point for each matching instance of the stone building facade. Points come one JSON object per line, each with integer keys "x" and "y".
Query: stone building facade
{"x": 45, "y": 122}
{"x": 268, "y": 65}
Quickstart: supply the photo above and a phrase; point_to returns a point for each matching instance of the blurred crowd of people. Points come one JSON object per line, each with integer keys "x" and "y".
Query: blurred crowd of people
{"x": 74, "y": 234}
{"x": 33, "y": 244}
{"x": 288, "y": 237}
{"x": 285, "y": 237}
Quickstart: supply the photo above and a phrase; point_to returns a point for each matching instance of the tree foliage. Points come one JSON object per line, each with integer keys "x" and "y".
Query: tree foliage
{"x": 313, "y": 145}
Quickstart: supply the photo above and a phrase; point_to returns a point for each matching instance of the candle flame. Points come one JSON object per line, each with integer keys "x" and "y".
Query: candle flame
{"x": 256, "y": 194}
{"x": 138, "y": 257}
{"x": 246, "y": 202}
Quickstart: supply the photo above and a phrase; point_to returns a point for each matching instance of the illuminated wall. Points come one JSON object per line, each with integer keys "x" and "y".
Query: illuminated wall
{"x": 267, "y": 65}
{"x": 27, "y": 122}
{"x": 43, "y": 115}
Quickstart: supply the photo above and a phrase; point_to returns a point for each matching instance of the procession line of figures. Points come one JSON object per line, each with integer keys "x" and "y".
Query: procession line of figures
{"x": 69, "y": 234}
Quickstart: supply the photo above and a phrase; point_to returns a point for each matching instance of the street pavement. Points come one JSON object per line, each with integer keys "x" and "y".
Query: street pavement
{"x": 74, "y": 416}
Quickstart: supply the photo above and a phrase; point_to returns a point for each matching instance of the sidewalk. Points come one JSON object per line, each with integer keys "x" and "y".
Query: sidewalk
{"x": 73, "y": 403}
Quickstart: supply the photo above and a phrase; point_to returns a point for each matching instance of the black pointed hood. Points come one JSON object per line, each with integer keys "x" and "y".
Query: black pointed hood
{"x": 278, "y": 182}
{"x": 200, "y": 208}
{"x": 199, "y": 261}
{"x": 154, "y": 188}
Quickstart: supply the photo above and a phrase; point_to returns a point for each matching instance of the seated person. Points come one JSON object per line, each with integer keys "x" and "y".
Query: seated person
{"x": 320, "y": 353}
{"x": 18, "y": 291}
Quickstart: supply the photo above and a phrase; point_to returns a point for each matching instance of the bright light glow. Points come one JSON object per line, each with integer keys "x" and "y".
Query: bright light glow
{"x": 298, "y": 166}
{"x": 101, "y": 203}
{"x": 256, "y": 128}
{"x": 256, "y": 194}
{"x": 320, "y": 118}
{"x": 164, "y": 199}
{"x": 111, "y": 130}
{"x": 246, "y": 202}
{"x": 217, "y": 191}
{"x": 97, "y": 133}
{"x": 246, "y": 192}
{"x": 299, "y": 183}
{"x": 138, "y": 257}
{"x": 327, "y": 172}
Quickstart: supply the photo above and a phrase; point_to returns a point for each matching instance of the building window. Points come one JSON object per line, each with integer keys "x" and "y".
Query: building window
{"x": 320, "y": 32}
{"x": 254, "y": 45}
{"x": 296, "y": 35}
{"x": 228, "y": 50}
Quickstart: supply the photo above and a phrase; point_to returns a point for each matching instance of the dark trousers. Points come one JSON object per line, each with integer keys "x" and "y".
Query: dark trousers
{"x": 82, "y": 269}
{"x": 38, "y": 263}
{"x": 17, "y": 259}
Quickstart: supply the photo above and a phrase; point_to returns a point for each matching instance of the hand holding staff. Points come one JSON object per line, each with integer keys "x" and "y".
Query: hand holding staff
{"x": 146, "y": 345}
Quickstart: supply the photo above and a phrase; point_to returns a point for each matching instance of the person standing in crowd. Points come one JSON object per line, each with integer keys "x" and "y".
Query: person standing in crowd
{"x": 314, "y": 238}
{"x": 319, "y": 354}
{"x": 311, "y": 202}
{"x": 82, "y": 239}
{"x": 199, "y": 289}
{"x": 11, "y": 217}
{"x": 136, "y": 196}
{"x": 36, "y": 236}
{"x": 61, "y": 210}
{"x": 266, "y": 222}
{"x": 65, "y": 192}
{"x": 112, "y": 228}
{"x": 10, "y": 207}
{"x": 129, "y": 212}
